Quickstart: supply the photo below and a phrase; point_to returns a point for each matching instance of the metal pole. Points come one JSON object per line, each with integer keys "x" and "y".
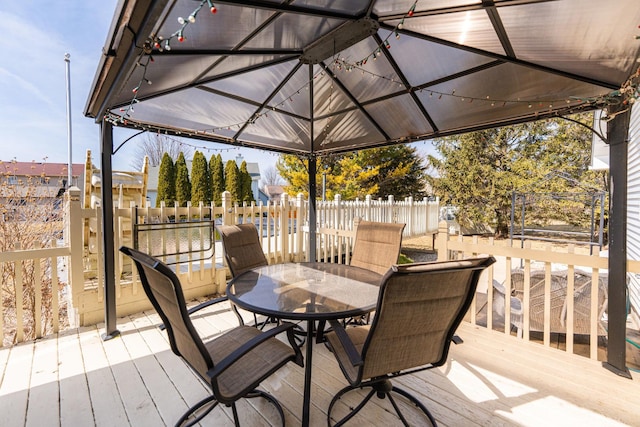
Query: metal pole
{"x": 324, "y": 186}
{"x": 106, "y": 194}
{"x": 67, "y": 60}
{"x": 617, "y": 135}
{"x": 313, "y": 167}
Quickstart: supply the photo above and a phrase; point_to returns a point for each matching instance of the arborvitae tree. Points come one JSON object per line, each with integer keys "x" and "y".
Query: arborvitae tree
{"x": 216, "y": 170}
{"x": 166, "y": 182}
{"x": 233, "y": 184}
{"x": 245, "y": 181}
{"x": 200, "y": 180}
{"x": 183, "y": 185}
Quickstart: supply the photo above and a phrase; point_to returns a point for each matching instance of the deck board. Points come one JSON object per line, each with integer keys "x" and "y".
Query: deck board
{"x": 75, "y": 402}
{"x": 135, "y": 380}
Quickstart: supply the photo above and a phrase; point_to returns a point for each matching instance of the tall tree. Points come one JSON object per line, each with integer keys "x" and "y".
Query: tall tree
{"x": 400, "y": 172}
{"x": 183, "y": 185}
{"x": 232, "y": 181}
{"x": 154, "y": 146}
{"x": 377, "y": 172}
{"x": 166, "y": 182}
{"x": 245, "y": 182}
{"x": 479, "y": 171}
{"x": 200, "y": 180}
{"x": 216, "y": 170}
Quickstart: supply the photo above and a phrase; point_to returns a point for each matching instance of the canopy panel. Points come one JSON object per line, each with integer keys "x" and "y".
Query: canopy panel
{"x": 331, "y": 76}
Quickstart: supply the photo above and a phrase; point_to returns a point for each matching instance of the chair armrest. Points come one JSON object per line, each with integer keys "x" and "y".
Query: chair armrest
{"x": 254, "y": 342}
{"x": 350, "y": 349}
{"x": 200, "y": 307}
{"x": 207, "y": 304}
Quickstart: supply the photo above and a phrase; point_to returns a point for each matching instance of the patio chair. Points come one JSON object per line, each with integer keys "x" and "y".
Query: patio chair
{"x": 376, "y": 248}
{"x": 377, "y": 245}
{"x": 232, "y": 364}
{"x": 419, "y": 308}
{"x": 242, "y": 251}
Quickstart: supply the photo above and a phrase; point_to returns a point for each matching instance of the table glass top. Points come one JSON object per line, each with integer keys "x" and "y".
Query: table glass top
{"x": 306, "y": 290}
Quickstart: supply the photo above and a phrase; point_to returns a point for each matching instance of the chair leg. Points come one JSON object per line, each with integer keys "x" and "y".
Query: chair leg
{"x": 382, "y": 389}
{"x": 197, "y": 412}
{"x": 353, "y": 412}
{"x": 270, "y": 398}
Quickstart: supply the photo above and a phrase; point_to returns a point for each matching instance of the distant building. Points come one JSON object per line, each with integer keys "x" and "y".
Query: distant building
{"x": 49, "y": 180}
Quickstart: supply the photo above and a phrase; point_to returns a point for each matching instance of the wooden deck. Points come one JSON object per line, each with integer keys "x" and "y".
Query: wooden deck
{"x": 76, "y": 379}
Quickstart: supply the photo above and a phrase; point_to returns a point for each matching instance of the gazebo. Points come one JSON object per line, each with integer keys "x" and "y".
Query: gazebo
{"x": 313, "y": 78}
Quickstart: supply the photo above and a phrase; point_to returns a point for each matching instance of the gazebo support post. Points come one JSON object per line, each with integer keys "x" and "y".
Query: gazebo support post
{"x": 313, "y": 190}
{"x": 313, "y": 167}
{"x": 617, "y": 130}
{"x": 106, "y": 196}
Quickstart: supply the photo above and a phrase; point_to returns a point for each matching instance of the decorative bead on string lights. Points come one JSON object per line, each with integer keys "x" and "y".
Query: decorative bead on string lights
{"x": 628, "y": 93}
{"x": 161, "y": 43}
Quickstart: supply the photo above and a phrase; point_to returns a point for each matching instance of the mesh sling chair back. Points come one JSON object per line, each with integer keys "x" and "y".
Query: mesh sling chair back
{"x": 418, "y": 311}
{"x": 232, "y": 364}
{"x": 242, "y": 248}
{"x": 376, "y": 248}
{"x": 242, "y": 251}
{"x": 377, "y": 245}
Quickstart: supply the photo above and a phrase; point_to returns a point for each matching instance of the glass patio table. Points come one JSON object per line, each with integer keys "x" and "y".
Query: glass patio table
{"x": 306, "y": 291}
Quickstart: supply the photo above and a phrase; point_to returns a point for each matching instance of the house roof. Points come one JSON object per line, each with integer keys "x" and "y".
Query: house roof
{"x": 321, "y": 77}
{"x": 39, "y": 169}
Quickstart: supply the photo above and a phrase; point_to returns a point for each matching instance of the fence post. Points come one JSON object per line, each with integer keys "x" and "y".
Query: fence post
{"x": 368, "y": 206}
{"x": 300, "y": 220}
{"x": 284, "y": 227}
{"x": 390, "y": 201}
{"x": 337, "y": 211}
{"x": 227, "y": 206}
{"x": 410, "y": 215}
{"x": 73, "y": 239}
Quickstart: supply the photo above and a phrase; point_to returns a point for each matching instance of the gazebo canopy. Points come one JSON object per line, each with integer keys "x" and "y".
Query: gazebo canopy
{"x": 301, "y": 76}
{"x": 329, "y": 76}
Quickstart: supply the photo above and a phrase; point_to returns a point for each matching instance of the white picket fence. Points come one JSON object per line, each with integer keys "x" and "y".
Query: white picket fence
{"x": 282, "y": 225}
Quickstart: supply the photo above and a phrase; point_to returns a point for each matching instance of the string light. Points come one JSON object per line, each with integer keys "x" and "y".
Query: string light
{"x": 627, "y": 94}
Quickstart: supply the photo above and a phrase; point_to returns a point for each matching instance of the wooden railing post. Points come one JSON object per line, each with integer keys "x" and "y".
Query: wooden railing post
{"x": 227, "y": 206}
{"x": 73, "y": 239}
{"x": 442, "y": 240}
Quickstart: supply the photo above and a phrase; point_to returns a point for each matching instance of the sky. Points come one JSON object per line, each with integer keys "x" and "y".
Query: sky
{"x": 33, "y": 79}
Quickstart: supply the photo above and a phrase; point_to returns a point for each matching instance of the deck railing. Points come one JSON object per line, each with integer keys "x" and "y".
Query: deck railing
{"x": 283, "y": 228}
{"x": 518, "y": 307}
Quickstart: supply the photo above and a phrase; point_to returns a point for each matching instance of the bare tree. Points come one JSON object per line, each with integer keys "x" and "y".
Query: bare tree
{"x": 154, "y": 146}
{"x": 270, "y": 176}
{"x": 30, "y": 218}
